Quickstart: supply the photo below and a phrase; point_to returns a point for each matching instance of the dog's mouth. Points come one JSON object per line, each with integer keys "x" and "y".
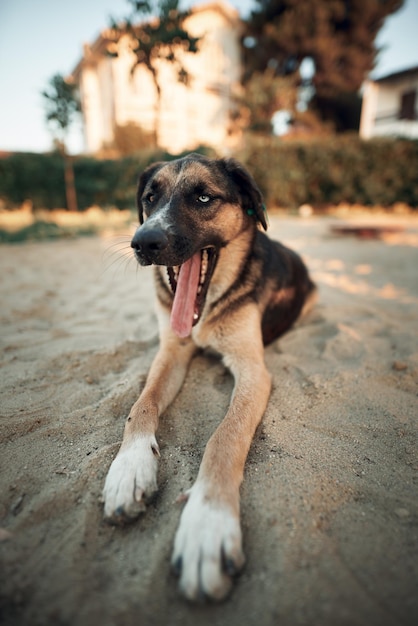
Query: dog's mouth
{"x": 189, "y": 283}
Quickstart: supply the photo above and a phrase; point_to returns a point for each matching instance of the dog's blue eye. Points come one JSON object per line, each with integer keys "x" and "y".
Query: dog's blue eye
{"x": 203, "y": 198}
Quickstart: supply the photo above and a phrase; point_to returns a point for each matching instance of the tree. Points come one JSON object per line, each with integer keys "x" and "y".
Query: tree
{"x": 158, "y": 33}
{"x": 337, "y": 35}
{"x": 61, "y": 105}
{"x": 265, "y": 93}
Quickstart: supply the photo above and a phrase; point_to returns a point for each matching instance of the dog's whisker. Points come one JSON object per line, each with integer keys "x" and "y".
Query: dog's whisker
{"x": 121, "y": 253}
{"x": 127, "y": 264}
{"x": 117, "y": 262}
{"x": 113, "y": 258}
{"x": 119, "y": 242}
{"x": 119, "y": 248}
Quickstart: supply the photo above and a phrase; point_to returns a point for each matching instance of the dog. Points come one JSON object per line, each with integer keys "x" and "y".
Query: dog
{"x": 221, "y": 284}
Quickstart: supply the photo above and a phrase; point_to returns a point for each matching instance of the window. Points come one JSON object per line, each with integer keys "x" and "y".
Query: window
{"x": 407, "y": 109}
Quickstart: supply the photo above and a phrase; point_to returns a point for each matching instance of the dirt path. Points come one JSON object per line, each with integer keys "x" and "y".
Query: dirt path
{"x": 330, "y": 499}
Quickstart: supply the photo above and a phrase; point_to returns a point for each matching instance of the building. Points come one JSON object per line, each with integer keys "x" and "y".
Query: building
{"x": 390, "y": 106}
{"x": 114, "y": 98}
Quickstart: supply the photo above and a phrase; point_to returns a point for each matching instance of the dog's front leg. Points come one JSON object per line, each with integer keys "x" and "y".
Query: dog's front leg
{"x": 132, "y": 477}
{"x": 208, "y": 551}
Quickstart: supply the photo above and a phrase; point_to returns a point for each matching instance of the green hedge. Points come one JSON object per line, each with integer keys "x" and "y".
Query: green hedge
{"x": 321, "y": 173}
{"x": 35, "y": 177}
{"x": 40, "y": 178}
{"x": 339, "y": 169}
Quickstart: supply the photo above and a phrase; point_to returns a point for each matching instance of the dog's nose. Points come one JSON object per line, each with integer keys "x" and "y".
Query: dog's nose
{"x": 149, "y": 240}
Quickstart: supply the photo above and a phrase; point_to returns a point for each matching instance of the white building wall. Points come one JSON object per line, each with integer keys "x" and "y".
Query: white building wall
{"x": 92, "y": 109}
{"x": 216, "y": 71}
{"x": 381, "y": 109}
{"x": 105, "y": 79}
{"x": 185, "y": 117}
{"x": 368, "y": 109}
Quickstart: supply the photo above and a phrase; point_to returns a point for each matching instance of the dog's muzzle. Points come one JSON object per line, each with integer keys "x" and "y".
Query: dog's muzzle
{"x": 149, "y": 245}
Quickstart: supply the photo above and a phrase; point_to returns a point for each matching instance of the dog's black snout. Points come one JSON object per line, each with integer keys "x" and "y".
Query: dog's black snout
{"x": 149, "y": 240}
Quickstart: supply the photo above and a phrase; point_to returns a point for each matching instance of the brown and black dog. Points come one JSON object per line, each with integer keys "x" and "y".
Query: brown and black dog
{"x": 220, "y": 284}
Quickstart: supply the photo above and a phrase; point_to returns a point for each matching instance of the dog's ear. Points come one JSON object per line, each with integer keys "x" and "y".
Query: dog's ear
{"x": 146, "y": 175}
{"x": 252, "y": 200}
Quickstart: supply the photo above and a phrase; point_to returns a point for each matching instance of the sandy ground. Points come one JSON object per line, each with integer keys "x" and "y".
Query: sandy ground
{"x": 330, "y": 498}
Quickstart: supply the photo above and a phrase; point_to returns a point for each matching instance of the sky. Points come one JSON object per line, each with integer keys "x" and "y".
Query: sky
{"x": 40, "y": 38}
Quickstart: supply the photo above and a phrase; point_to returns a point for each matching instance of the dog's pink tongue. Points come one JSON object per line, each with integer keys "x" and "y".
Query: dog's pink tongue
{"x": 183, "y": 311}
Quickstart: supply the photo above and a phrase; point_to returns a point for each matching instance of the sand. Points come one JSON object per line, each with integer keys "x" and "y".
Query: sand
{"x": 330, "y": 498}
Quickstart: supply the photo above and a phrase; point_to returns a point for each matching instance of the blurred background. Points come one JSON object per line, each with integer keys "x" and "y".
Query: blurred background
{"x": 316, "y": 97}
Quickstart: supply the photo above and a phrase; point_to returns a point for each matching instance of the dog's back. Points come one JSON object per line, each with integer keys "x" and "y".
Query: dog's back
{"x": 290, "y": 286}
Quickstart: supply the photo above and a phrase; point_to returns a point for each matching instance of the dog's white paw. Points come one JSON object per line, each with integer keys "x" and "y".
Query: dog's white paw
{"x": 207, "y": 548}
{"x": 131, "y": 480}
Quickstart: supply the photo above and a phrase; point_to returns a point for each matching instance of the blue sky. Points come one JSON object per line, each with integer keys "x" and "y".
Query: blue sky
{"x": 39, "y": 38}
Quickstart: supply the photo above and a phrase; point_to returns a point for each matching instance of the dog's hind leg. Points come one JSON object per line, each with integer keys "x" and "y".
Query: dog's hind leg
{"x": 207, "y": 550}
{"x": 132, "y": 477}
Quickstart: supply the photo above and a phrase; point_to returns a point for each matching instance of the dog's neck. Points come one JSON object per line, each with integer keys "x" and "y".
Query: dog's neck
{"x": 227, "y": 272}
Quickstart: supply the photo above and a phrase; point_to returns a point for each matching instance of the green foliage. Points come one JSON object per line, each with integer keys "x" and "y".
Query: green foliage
{"x": 337, "y": 169}
{"x": 266, "y": 93}
{"x": 321, "y": 173}
{"x": 337, "y": 35}
{"x": 157, "y": 34}
{"x": 104, "y": 183}
{"x": 158, "y": 30}
{"x": 61, "y": 104}
{"x": 41, "y": 231}
{"x": 38, "y": 177}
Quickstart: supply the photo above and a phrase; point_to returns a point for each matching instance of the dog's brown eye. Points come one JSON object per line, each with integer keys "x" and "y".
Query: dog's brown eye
{"x": 150, "y": 197}
{"x": 204, "y": 198}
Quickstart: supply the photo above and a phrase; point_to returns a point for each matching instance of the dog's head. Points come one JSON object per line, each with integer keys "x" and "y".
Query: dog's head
{"x": 189, "y": 209}
{"x": 193, "y": 203}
